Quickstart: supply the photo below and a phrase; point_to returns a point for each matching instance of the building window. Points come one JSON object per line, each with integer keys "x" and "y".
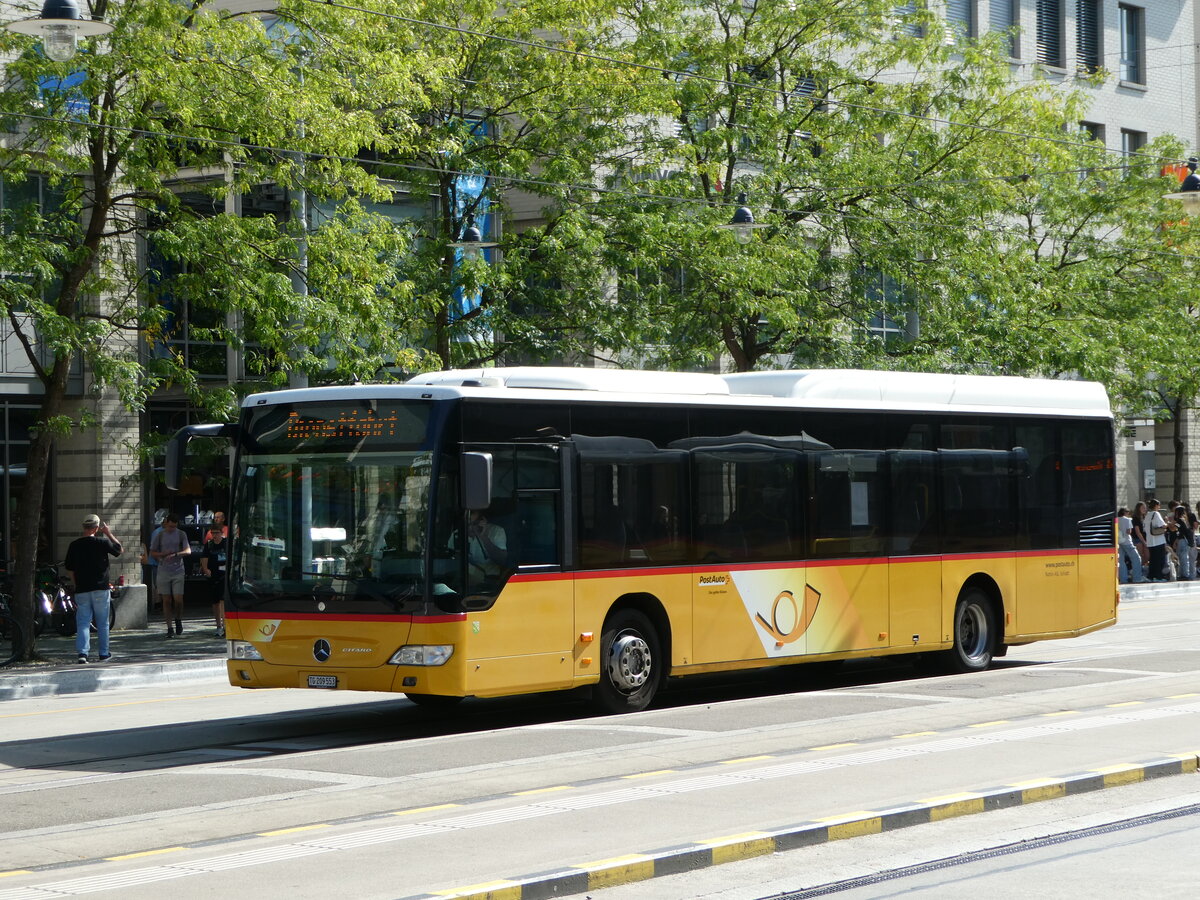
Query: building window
{"x": 1093, "y": 130}
{"x": 1132, "y": 24}
{"x": 960, "y": 16}
{"x": 1131, "y": 143}
{"x": 1050, "y": 33}
{"x": 891, "y": 308}
{"x": 1088, "y": 35}
{"x": 1002, "y": 18}
{"x": 906, "y": 18}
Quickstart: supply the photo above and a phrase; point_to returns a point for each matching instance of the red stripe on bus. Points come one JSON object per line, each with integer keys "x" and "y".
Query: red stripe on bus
{"x": 350, "y": 617}
{"x": 811, "y": 563}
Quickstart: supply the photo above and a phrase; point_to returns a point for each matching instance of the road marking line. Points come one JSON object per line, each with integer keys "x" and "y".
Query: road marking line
{"x": 143, "y": 853}
{"x": 14, "y": 872}
{"x": 990, "y": 724}
{"x": 1126, "y": 703}
{"x": 76, "y": 709}
{"x": 292, "y": 830}
{"x": 650, "y": 774}
{"x": 733, "y": 762}
{"x": 545, "y": 790}
{"x": 425, "y": 809}
{"x": 835, "y": 746}
{"x": 913, "y": 734}
{"x": 1061, "y": 712}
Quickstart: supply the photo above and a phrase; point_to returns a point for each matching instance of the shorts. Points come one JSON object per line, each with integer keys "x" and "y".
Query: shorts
{"x": 169, "y": 582}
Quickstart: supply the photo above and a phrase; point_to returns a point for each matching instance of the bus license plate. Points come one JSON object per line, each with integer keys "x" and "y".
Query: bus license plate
{"x": 322, "y": 681}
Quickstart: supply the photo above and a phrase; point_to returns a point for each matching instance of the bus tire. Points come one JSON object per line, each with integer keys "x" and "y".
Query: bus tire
{"x": 631, "y": 663}
{"x": 975, "y": 637}
{"x": 434, "y": 701}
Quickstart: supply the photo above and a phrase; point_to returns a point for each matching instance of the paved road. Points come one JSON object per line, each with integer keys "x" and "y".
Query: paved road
{"x": 292, "y": 793}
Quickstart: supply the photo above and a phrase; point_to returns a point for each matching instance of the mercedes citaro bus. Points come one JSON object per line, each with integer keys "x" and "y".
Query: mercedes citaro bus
{"x": 509, "y": 530}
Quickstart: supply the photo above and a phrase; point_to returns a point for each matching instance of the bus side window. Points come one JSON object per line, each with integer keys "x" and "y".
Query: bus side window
{"x": 537, "y": 528}
{"x": 913, "y": 476}
{"x": 848, "y": 512}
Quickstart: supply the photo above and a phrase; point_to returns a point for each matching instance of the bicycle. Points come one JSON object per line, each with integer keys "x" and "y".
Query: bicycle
{"x": 55, "y": 600}
{"x": 12, "y": 636}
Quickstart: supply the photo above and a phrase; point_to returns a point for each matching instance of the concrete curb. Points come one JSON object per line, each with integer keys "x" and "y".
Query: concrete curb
{"x": 22, "y": 684}
{"x": 591, "y": 876}
{"x": 1158, "y": 590}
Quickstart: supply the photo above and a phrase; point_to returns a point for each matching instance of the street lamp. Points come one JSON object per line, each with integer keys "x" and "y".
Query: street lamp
{"x": 1189, "y": 190}
{"x": 60, "y": 27}
{"x": 742, "y": 224}
{"x": 472, "y": 242}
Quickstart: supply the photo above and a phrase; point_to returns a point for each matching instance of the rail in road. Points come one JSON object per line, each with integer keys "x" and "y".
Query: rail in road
{"x": 275, "y": 801}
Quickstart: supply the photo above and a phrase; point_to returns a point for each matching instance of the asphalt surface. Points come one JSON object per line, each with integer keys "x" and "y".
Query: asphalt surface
{"x": 145, "y": 656}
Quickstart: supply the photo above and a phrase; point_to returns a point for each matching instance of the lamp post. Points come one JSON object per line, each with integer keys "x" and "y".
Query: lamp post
{"x": 60, "y": 27}
{"x": 1189, "y": 190}
{"x": 472, "y": 243}
{"x": 742, "y": 224}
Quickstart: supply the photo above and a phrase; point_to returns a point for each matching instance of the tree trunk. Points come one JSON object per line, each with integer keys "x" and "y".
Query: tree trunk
{"x": 30, "y": 508}
{"x": 1177, "y": 445}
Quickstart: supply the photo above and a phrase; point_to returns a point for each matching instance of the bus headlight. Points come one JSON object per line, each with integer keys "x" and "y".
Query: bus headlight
{"x": 243, "y": 650}
{"x": 422, "y": 655}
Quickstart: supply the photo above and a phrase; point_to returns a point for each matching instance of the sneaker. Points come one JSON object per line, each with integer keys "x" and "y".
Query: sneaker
{"x": 170, "y": 633}
{"x": 106, "y": 658}
{"x": 178, "y": 627}
{"x": 82, "y": 660}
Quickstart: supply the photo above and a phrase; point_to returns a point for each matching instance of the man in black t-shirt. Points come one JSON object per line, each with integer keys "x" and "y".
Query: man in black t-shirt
{"x": 87, "y": 561}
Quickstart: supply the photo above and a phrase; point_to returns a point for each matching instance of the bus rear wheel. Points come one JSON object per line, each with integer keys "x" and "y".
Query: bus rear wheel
{"x": 974, "y": 634}
{"x": 631, "y": 663}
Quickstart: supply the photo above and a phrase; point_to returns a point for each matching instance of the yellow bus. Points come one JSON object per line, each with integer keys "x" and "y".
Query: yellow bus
{"x": 509, "y": 530}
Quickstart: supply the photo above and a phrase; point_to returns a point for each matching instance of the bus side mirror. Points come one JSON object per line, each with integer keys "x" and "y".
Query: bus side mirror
{"x": 177, "y": 447}
{"x": 476, "y": 480}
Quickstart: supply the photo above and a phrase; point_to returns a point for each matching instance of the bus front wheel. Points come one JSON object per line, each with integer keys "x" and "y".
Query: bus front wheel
{"x": 631, "y": 663}
{"x": 974, "y": 633}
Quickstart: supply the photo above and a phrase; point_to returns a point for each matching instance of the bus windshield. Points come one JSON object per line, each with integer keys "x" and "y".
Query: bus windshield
{"x": 332, "y": 505}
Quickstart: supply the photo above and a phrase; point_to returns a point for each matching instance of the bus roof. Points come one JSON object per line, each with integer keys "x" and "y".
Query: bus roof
{"x": 811, "y": 388}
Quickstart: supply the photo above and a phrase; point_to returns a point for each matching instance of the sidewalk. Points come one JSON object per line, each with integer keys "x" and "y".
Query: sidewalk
{"x": 144, "y": 656}
{"x": 140, "y": 657}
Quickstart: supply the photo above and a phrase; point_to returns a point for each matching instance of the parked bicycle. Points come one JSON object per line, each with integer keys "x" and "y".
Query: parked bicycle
{"x": 56, "y": 604}
{"x": 12, "y": 636}
{"x": 53, "y": 601}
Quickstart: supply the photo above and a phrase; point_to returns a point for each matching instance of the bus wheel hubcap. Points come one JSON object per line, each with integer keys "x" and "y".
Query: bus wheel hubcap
{"x": 974, "y": 632}
{"x": 629, "y": 662}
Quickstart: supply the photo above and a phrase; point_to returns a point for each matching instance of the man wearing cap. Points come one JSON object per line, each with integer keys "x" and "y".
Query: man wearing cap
{"x": 87, "y": 561}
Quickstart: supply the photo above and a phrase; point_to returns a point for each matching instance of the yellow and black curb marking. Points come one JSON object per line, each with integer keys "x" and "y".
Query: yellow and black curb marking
{"x": 588, "y": 876}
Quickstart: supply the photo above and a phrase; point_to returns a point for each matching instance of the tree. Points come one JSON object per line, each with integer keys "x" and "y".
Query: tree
{"x": 886, "y": 160}
{"x": 178, "y": 89}
{"x": 513, "y": 136}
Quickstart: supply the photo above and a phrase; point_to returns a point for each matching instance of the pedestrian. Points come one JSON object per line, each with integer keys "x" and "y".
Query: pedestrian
{"x": 1139, "y": 534}
{"x": 150, "y": 570}
{"x": 1184, "y": 544}
{"x": 169, "y": 547}
{"x": 212, "y": 564}
{"x": 218, "y": 524}
{"x": 1129, "y": 563}
{"x": 87, "y": 561}
{"x": 1155, "y": 529}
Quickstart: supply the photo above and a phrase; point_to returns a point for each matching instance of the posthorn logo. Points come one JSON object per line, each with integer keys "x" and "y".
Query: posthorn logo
{"x": 321, "y": 651}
